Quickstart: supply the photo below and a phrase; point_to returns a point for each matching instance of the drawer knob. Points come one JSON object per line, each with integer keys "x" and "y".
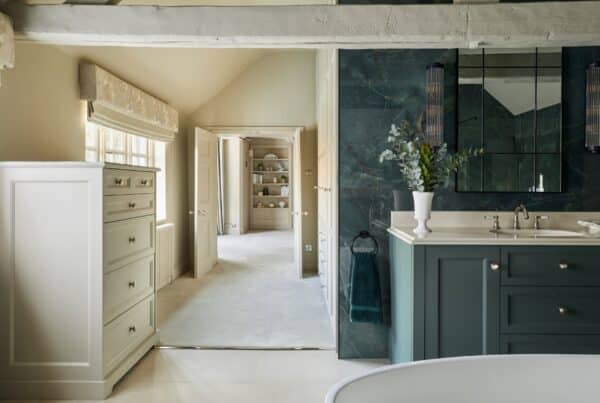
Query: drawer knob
{"x": 494, "y": 266}
{"x": 563, "y": 266}
{"x": 563, "y": 310}
{"x": 131, "y": 284}
{"x": 144, "y": 182}
{"x": 132, "y": 205}
{"x": 118, "y": 181}
{"x": 132, "y": 329}
{"x": 131, "y": 239}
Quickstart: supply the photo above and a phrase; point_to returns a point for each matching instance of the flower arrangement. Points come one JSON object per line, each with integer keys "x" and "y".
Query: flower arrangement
{"x": 423, "y": 166}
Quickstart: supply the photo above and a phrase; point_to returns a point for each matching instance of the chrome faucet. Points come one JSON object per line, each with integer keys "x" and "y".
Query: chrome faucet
{"x": 520, "y": 209}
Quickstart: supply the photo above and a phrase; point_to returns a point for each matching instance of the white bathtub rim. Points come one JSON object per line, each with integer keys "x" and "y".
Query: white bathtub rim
{"x": 339, "y": 386}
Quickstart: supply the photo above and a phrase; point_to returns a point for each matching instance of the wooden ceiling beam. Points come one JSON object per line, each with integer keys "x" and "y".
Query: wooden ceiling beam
{"x": 381, "y": 26}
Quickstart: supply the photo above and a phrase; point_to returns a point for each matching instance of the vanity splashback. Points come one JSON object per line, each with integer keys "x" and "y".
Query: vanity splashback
{"x": 381, "y": 87}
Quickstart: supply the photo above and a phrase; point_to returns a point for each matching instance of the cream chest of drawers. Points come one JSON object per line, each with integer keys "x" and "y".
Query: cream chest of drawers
{"x": 77, "y": 257}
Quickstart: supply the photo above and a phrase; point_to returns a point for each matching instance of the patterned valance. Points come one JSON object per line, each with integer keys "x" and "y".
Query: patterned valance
{"x": 7, "y": 43}
{"x": 115, "y": 103}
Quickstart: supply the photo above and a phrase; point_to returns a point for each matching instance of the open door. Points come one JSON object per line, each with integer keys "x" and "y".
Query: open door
{"x": 298, "y": 213}
{"x": 205, "y": 201}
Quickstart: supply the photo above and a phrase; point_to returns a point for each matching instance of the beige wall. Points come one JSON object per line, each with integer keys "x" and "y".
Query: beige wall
{"x": 42, "y": 118}
{"x": 232, "y": 197}
{"x": 278, "y": 89}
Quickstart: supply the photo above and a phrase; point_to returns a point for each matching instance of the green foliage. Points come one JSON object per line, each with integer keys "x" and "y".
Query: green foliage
{"x": 423, "y": 167}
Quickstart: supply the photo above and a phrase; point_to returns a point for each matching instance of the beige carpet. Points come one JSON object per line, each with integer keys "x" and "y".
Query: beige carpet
{"x": 253, "y": 299}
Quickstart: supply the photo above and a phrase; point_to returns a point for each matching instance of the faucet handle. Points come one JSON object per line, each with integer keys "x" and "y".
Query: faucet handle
{"x": 538, "y": 218}
{"x": 495, "y": 221}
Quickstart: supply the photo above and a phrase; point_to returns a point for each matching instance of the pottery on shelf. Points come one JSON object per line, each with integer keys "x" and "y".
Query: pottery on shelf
{"x": 282, "y": 204}
{"x": 422, "y": 203}
{"x": 271, "y": 205}
{"x": 270, "y": 156}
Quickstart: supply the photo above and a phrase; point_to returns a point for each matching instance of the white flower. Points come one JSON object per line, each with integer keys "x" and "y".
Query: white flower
{"x": 386, "y": 155}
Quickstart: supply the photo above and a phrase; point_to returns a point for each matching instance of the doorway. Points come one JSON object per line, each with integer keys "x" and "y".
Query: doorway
{"x": 252, "y": 288}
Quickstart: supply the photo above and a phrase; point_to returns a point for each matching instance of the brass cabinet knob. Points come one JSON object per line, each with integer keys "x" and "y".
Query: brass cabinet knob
{"x": 131, "y": 284}
{"x": 144, "y": 182}
{"x": 494, "y": 266}
{"x": 563, "y": 310}
{"x": 118, "y": 181}
{"x": 563, "y": 266}
{"x": 131, "y": 239}
{"x": 132, "y": 329}
{"x": 131, "y": 205}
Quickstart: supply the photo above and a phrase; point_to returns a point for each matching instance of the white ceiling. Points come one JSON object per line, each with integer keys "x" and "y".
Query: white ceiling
{"x": 184, "y": 78}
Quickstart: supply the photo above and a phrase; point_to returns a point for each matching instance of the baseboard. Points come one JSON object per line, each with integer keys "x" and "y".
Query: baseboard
{"x": 75, "y": 389}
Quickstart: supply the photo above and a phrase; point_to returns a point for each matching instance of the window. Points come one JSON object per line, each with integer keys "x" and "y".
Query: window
{"x": 109, "y": 145}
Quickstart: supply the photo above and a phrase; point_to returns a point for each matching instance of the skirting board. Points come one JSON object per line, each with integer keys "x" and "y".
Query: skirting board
{"x": 74, "y": 390}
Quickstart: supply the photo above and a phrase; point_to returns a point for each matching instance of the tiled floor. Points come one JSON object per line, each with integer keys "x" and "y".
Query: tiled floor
{"x": 218, "y": 376}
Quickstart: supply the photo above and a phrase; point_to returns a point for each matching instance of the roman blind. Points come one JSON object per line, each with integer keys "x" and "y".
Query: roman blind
{"x": 119, "y": 105}
{"x": 7, "y": 43}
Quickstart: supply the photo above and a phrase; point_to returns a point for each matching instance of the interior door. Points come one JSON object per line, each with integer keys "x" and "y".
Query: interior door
{"x": 298, "y": 213}
{"x": 205, "y": 201}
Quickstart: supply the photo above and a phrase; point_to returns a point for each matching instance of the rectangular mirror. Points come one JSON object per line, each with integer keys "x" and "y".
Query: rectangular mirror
{"x": 509, "y": 104}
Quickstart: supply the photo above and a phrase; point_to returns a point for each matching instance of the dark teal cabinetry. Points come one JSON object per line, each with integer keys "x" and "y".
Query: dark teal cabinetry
{"x": 469, "y": 300}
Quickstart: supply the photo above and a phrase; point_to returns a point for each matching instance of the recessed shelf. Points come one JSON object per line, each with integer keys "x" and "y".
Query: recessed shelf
{"x": 271, "y": 184}
{"x": 267, "y": 159}
{"x": 270, "y": 172}
{"x": 271, "y": 208}
{"x": 273, "y": 196}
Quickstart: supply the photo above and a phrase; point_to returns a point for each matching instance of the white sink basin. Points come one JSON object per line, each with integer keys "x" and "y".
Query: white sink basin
{"x": 538, "y": 233}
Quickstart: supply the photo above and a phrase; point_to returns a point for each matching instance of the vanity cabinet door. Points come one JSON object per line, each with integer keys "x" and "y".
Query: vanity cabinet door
{"x": 462, "y": 294}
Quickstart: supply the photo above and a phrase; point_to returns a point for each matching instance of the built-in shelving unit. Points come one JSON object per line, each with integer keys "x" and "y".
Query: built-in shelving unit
{"x": 271, "y": 188}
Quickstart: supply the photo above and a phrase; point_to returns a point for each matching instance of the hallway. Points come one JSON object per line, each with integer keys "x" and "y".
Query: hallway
{"x": 252, "y": 299}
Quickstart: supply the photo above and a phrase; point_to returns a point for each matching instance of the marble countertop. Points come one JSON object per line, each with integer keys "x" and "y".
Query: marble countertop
{"x": 483, "y": 236}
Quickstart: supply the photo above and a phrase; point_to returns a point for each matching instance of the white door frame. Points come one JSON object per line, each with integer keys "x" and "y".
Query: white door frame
{"x": 292, "y": 134}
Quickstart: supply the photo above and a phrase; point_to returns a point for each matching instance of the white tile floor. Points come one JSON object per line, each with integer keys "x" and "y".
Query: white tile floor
{"x": 218, "y": 376}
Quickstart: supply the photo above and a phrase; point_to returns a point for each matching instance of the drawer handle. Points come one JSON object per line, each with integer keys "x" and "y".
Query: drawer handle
{"x": 563, "y": 310}
{"x": 563, "y": 266}
{"x": 132, "y": 329}
{"x": 144, "y": 182}
{"x": 131, "y": 239}
{"x": 494, "y": 266}
{"x": 118, "y": 181}
{"x": 131, "y": 284}
{"x": 132, "y": 205}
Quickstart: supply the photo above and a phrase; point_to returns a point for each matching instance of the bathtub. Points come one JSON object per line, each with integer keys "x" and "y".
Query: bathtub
{"x": 481, "y": 379}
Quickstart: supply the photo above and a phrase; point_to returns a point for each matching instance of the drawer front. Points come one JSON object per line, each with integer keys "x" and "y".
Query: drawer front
{"x": 126, "y": 286}
{"x": 124, "y": 334}
{"x": 127, "y": 241}
{"x": 545, "y": 310}
{"x": 549, "y": 344}
{"x": 129, "y": 206}
{"x": 541, "y": 265}
{"x": 123, "y": 181}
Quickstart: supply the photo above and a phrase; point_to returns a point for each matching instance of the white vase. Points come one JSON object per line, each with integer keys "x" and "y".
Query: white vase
{"x": 422, "y": 201}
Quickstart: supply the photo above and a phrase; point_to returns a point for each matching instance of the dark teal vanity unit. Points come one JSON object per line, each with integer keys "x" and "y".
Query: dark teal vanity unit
{"x": 455, "y": 300}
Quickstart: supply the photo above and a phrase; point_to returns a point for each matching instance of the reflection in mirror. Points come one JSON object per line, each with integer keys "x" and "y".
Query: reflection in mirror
{"x": 509, "y": 103}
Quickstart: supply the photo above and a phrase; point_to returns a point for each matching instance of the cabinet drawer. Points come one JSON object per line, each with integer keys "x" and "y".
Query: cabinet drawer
{"x": 549, "y": 344}
{"x": 128, "y": 206}
{"x": 126, "y": 286}
{"x": 127, "y": 241}
{"x": 127, "y": 332}
{"x": 123, "y": 181}
{"x": 542, "y": 265}
{"x": 550, "y": 310}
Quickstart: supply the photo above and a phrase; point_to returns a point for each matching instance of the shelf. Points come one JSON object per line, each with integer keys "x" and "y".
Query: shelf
{"x": 270, "y": 172}
{"x": 271, "y": 184}
{"x": 277, "y": 159}
{"x": 270, "y": 208}
{"x": 271, "y": 196}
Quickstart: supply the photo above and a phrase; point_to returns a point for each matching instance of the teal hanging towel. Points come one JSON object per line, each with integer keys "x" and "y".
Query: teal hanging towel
{"x": 365, "y": 290}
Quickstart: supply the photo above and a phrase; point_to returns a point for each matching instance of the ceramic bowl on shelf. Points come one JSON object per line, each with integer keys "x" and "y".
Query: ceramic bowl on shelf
{"x": 282, "y": 204}
{"x": 271, "y": 205}
{"x": 270, "y": 156}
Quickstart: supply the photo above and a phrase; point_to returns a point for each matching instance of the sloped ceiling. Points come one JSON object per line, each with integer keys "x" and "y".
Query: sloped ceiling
{"x": 184, "y": 78}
